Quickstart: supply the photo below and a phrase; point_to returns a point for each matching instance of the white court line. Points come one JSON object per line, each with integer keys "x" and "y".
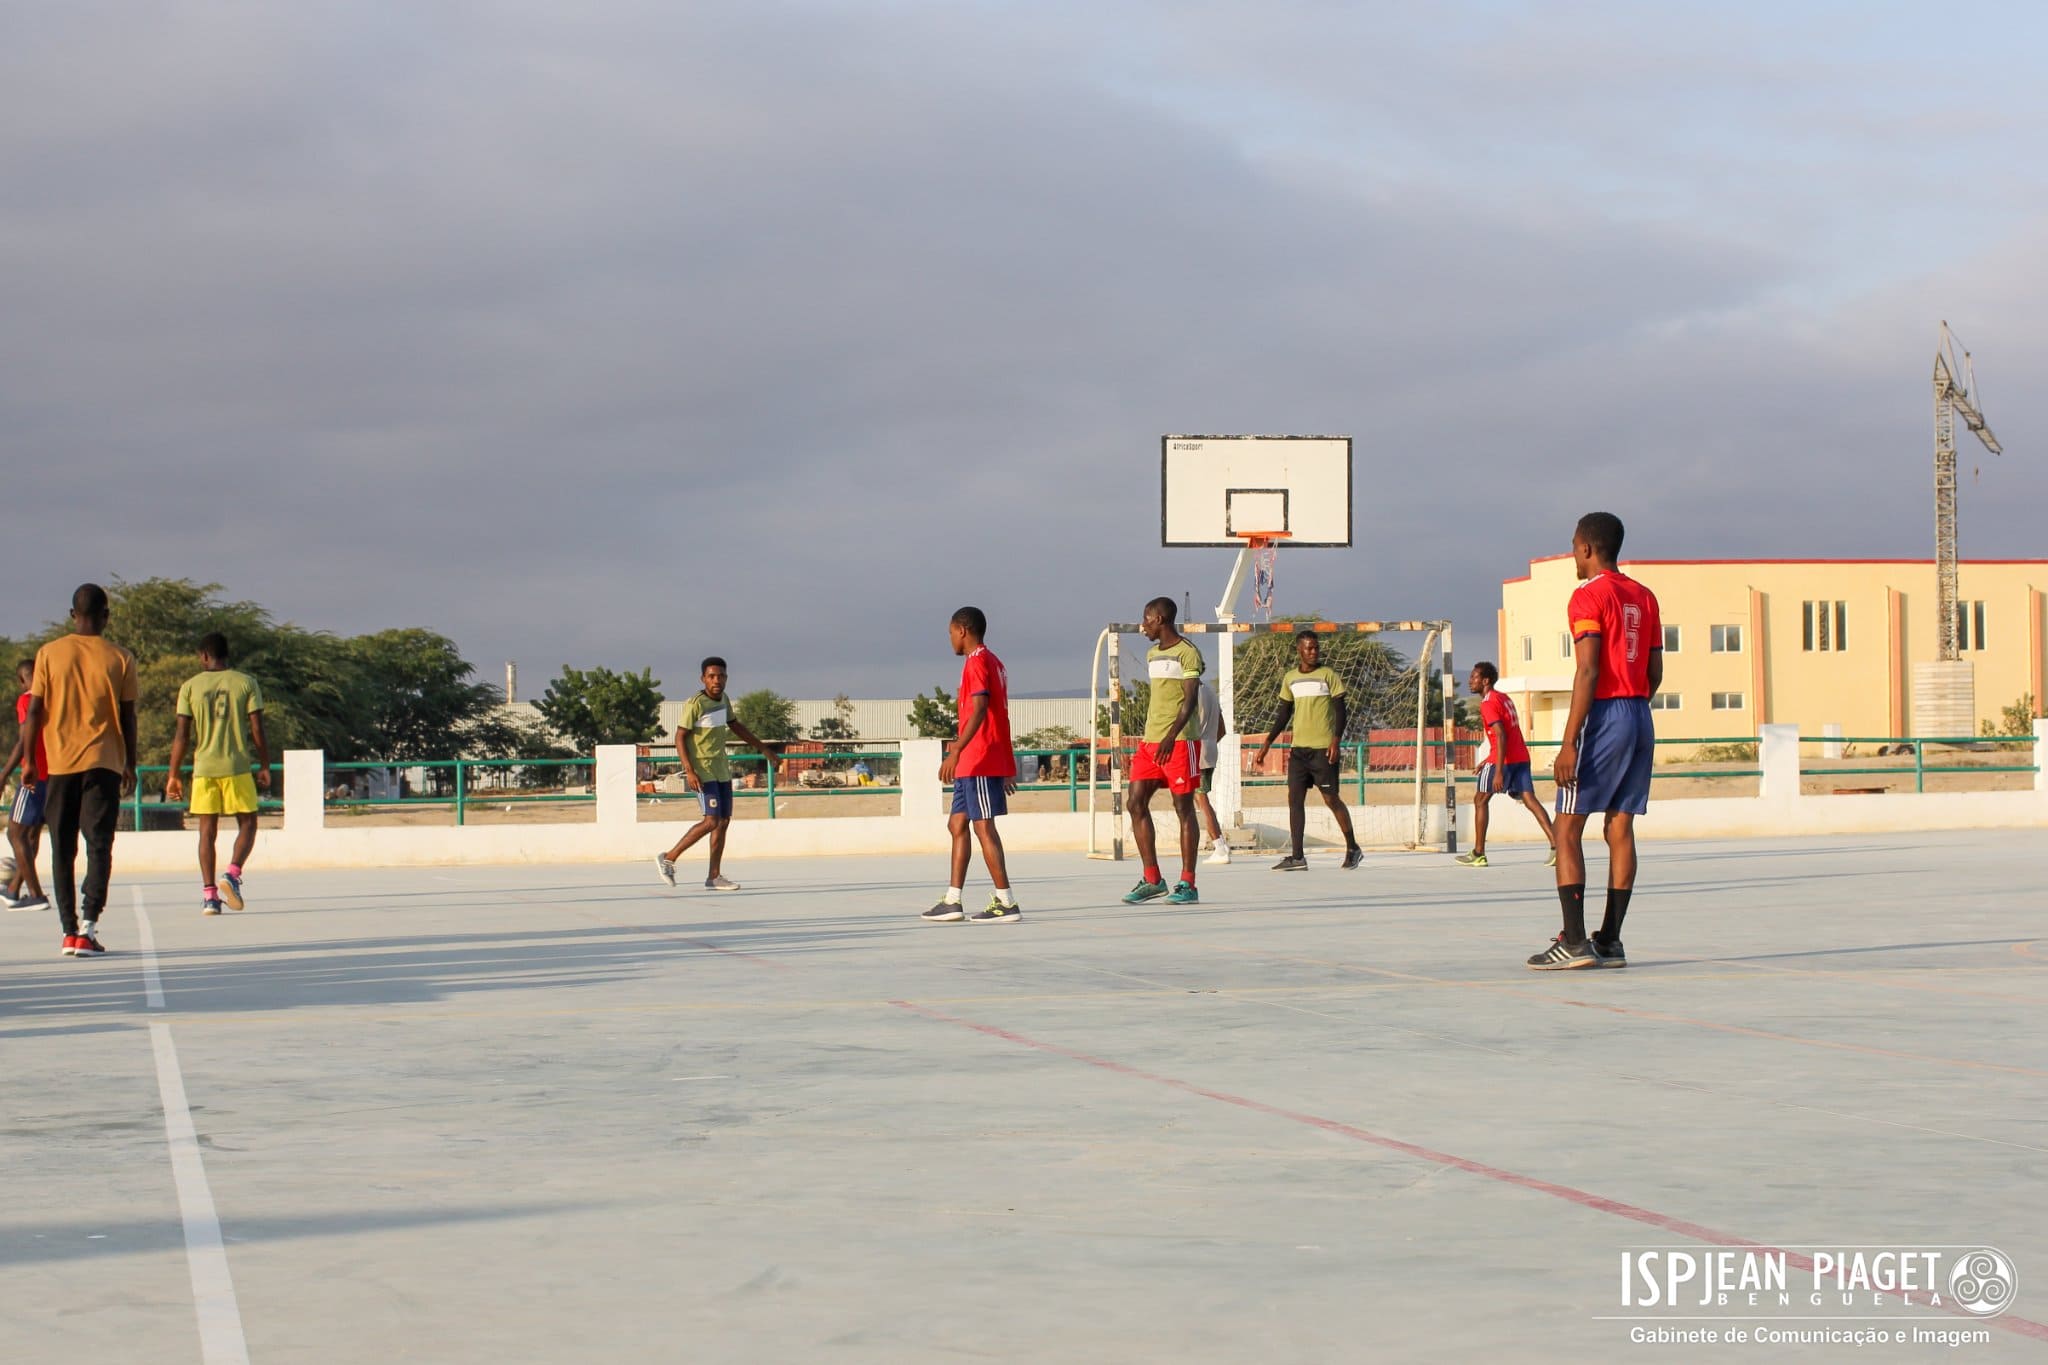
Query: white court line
{"x": 206, "y": 1257}
{"x": 152, "y": 984}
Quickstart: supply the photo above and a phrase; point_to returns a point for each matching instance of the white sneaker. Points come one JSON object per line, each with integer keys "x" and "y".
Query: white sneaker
{"x": 664, "y": 868}
{"x": 720, "y": 884}
{"x": 1219, "y": 858}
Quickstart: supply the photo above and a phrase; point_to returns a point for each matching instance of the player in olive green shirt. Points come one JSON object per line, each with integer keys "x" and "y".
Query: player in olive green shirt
{"x": 220, "y": 715}
{"x": 1170, "y": 755}
{"x": 1312, "y": 699}
{"x": 705, "y": 727}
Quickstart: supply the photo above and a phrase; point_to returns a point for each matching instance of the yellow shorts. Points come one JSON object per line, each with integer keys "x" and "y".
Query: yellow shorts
{"x": 224, "y": 795}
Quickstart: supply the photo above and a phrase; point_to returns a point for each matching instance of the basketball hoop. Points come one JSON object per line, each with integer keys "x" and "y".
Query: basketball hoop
{"x": 1265, "y": 548}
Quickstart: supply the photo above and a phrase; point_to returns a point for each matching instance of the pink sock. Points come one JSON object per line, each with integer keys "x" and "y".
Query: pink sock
{"x": 235, "y": 870}
{"x": 209, "y": 893}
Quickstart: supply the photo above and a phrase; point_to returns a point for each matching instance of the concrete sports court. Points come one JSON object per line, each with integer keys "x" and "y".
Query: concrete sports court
{"x": 567, "y": 1115}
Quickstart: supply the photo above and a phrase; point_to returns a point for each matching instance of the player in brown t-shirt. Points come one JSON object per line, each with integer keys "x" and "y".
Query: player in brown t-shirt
{"x": 82, "y": 707}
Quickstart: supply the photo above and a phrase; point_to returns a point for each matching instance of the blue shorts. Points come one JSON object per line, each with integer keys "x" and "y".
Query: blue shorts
{"x": 716, "y": 799}
{"x": 1615, "y": 751}
{"x": 28, "y": 805}
{"x": 980, "y": 798}
{"x": 1514, "y": 779}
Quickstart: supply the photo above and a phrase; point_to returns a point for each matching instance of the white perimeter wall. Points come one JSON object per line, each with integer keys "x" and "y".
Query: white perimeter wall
{"x": 620, "y": 835}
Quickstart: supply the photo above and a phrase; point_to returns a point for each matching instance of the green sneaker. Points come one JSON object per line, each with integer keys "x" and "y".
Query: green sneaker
{"x": 1471, "y": 860}
{"x": 1184, "y": 893}
{"x": 1144, "y": 891}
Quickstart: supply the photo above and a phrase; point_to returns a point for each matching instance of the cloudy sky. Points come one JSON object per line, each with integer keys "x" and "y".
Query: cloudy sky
{"x": 620, "y": 332}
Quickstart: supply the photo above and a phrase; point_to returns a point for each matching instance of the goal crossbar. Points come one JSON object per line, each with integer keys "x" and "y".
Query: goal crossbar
{"x": 1293, "y": 627}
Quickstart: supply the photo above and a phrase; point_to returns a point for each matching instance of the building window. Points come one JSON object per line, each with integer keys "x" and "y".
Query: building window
{"x": 1970, "y": 625}
{"x": 1823, "y": 627}
{"x": 1528, "y": 648}
{"x": 1664, "y": 701}
{"x": 1671, "y": 639}
{"x": 1727, "y": 701}
{"x": 1725, "y": 640}
{"x": 1564, "y": 645}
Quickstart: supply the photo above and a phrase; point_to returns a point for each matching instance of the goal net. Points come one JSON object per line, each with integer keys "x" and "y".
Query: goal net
{"x": 1396, "y": 774}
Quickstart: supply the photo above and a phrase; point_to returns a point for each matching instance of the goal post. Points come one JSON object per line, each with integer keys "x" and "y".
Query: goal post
{"x": 1397, "y": 763}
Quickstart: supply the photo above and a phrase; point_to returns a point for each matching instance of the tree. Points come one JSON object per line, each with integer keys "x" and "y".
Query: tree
{"x": 1048, "y": 737}
{"x": 1137, "y": 701}
{"x": 589, "y": 707}
{"x": 156, "y": 684}
{"x": 419, "y": 699}
{"x": 936, "y": 716}
{"x": 769, "y": 714}
{"x": 837, "y": 728}
{"x": 161, "y": 617}
{"x": 2015, "y": 720}
{"x": 503, "y": 735}
{"x": 315, "y": 692}
{"x": 12, "y": 652}
{"x": 394, "y": 695}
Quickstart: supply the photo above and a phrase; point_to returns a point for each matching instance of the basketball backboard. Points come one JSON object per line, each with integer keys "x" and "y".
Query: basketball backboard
{"x": 1215, "y": 489}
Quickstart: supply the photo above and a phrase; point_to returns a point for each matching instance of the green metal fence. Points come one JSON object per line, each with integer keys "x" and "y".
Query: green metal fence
{"x": 1921, "y": 767}
{"x": 775, "y": 788}
{"x": 457, "y": 783}
{"x": 1543, "y": 773}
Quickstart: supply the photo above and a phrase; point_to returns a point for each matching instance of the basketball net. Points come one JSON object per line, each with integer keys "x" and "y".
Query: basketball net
{"x": 1265, "y": 548}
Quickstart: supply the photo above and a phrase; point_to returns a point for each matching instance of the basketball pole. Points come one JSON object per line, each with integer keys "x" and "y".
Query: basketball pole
{"x": 1230, "y": 761}
{"x": 1450, "y": 748}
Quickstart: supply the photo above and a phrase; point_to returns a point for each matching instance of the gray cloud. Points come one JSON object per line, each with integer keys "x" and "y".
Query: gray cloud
{"x": 627, "y": 332}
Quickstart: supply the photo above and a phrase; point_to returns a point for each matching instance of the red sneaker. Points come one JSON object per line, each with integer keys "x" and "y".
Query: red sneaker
{"x": 71, "y": 942}
{"x": 89, "y": 944}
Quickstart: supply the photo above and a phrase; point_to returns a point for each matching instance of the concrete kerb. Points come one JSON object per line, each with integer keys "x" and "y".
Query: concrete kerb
{"x": 306, "y": 840}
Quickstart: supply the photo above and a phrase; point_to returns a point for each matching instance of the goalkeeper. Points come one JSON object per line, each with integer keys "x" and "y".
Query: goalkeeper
{"x": 1312, "y": 701}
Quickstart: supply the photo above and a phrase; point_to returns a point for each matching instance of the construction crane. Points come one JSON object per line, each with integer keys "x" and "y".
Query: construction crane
{"x": 1952, "y": 399}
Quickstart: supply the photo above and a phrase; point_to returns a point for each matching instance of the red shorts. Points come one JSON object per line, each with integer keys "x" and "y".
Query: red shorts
{"x": 1181, "y": 774}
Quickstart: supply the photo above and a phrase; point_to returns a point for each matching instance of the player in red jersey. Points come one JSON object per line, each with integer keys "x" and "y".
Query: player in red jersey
{"x": 982, "y": 767}
{"x": 1505, "y": 767}
{"x": 1604, "y": 763}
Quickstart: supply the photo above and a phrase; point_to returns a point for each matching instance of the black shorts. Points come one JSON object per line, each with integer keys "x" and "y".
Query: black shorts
{"x": 1310, "y": 768}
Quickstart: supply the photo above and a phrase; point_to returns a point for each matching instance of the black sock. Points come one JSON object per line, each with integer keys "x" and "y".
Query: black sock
{"x": 1617, "y": 911}
{"x": 1573, "y": 898}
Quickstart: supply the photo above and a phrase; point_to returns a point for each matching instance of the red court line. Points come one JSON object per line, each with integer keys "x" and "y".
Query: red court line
{"x": 1597, "y": 1202}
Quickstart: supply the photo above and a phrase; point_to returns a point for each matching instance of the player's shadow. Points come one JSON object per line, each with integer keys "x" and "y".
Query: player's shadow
{"x": 1862, "y": 950}
{"x": 42, "y": 1243}
{"x": 398, "y": 971}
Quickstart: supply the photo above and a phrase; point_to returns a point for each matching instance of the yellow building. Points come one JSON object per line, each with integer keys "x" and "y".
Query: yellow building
{"x": 1806, "y": 642}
